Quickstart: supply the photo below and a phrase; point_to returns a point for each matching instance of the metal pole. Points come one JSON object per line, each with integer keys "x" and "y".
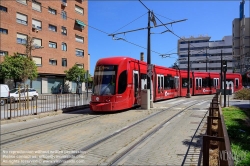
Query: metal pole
{"x": 221, "y": 70}
{"x": 206, "y": 59}
{"x": 188, "y": 89}
{"x": 87, "y": 82}
{"x": 149, "y": 58}
{"x": 225, "y": 97}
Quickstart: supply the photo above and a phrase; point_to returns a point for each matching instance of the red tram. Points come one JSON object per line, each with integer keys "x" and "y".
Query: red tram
{"x": 118, "y": 82}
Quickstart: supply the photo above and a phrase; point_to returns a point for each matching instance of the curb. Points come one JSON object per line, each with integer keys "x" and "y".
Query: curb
{"x": 43, "y": 114}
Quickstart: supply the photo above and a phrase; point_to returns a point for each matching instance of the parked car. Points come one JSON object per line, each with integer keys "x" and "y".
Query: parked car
{"x": 14, "y": 94}
{"x": 4, "y": 93}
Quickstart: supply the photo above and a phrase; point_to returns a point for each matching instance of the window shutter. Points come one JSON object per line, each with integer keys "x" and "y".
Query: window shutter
{"x": 21, "y": 36}
{"x": 36, "y": 23}
{"x": 38, "y": 61}
{"x": 36, "y": 6}
{"x": 22, "y": 1}
{"x": 21, "y": 17}
{"x": 37, "y": 42}
{"x": 79, "y": 9}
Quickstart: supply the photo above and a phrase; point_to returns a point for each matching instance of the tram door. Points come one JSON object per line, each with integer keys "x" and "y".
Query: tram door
{"x": 136, "y": 86}
{"x": 198, "y": 85}
{"x": 216, "y": 83}
{"x": 160, "y": 85}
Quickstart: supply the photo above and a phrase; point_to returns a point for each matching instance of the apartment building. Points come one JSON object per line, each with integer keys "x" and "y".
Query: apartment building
{"x": 241, "y": 42}
{"x": 205, "y": 55}
{"x": 59, "y": 32}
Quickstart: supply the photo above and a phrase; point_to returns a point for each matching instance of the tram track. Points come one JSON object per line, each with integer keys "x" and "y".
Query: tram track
{"x": 46, "y": 127}
{"x": 151, "y": 131}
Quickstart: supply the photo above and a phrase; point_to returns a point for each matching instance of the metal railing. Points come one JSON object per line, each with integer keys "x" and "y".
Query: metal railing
{"x": 216, "y": 144}
{"x": 45, "y": 103}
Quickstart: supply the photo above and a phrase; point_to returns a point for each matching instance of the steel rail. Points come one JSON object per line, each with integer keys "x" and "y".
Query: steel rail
{"x": 183, "y": 162}
{"x": 148, "y": 135}
{"x": 3, "y": 142}
{"x": 90, "y": 146}
{"x": 2, "y": 133}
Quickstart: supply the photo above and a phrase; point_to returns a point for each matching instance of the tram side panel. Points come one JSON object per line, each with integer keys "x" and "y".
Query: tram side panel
{"x": 184, "y": 83}
{"x": 201, "y": 83}
{"x": 167, "y": 83}
{"x": 233, "y": 82}
{"x": 214, "y": 82}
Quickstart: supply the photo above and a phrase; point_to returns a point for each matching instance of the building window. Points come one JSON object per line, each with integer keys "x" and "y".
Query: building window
{"x": 3, "y": 53}
{"x": 64, "y": 62}
{"x": 36, "y": 6}
{"x": 52, "y": 62}
{"x": 52, "y": 45}
{"x": 4, "y": 9}
{"x": 52, "y": 28}
{"x": 64, "y": 15}
{"x": 37, "y": 43}
{"x": 64, "y": 31}
{"x": 21, "y": 39}
{"x": 37, "y": 60}
{"x": 79, "y": 9}
{"x": 36, "y": 24}
{"x": 80, "y": 24}
{"x": 79, "y": 52}
{"x": 80, "y": 65}
{"x": 64, "y": 47}
{"x": 79, "y": 39}
{"x": 22, "y": 1}
{"x": 21, "y": 18}
{"x": 3, "y": 31}
{"x": 52, "y": 11}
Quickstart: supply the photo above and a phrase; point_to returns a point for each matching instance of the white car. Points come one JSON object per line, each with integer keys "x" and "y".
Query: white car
{"x": 4, "y": 93}
{"x": 14, "y": 94}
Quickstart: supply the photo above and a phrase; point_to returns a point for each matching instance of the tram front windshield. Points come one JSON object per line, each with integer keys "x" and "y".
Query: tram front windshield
{"x": 104, "y": 80}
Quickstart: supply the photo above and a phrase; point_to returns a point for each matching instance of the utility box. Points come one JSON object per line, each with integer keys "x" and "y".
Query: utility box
{"x": 145, "y": 99}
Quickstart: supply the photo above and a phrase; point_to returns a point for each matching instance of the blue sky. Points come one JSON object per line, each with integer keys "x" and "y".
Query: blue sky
{"x": 212, "y": 18}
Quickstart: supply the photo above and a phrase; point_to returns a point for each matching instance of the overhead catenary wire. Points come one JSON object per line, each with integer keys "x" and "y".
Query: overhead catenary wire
{"x": 167, "y": 27}
{"x": 130, "y": 22}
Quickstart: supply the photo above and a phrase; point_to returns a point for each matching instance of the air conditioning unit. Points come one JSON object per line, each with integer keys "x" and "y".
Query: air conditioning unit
{"x": 34, "y": 27}
{"x": 64, "y": 3}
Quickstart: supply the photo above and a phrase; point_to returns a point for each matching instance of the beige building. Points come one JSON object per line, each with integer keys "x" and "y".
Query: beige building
{"x": 205, "y": 55}
{"x": 241, "y": 42}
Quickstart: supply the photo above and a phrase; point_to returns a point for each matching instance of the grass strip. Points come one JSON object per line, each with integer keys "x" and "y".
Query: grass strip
{"x": 238, "y": 127}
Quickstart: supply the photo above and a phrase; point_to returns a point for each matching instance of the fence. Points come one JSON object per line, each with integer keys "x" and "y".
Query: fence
{"x": 216, "y": 145}
{"x": 45, "y": 103}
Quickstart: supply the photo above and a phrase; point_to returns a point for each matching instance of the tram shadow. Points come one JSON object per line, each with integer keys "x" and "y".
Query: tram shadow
{"x": 86, "y": 110}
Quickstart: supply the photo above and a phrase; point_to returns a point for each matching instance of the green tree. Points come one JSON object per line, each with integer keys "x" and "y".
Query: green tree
{"x": 74, "y": 73}
{"x": 18, "y": 67}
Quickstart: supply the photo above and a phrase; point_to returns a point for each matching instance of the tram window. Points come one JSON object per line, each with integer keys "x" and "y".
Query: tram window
{"x": 166, "y": 82}
{"x": 185, "y": 82}
{"x": 212, "y": 82}
{"x": 237, "y": 82}
{"x": 122, "y": 82}
{"x": 205, "y": 82}
{"x": 172, "y": 86}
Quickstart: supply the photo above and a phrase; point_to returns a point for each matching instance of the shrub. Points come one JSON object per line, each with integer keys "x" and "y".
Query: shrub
{"x": 243, "y": 94}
